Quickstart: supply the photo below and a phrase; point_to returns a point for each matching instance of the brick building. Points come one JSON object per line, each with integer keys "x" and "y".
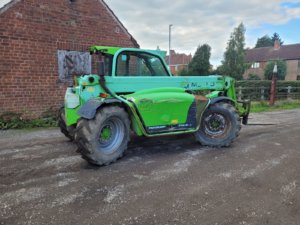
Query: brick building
{"x": 259, "y": 57}
{"x": 179, "y": 61}
{"x": 36, "y": 35}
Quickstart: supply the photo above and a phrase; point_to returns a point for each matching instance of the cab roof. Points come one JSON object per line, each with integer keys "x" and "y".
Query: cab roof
{"x": 104, "y": 49}
{"x": 112, "y": 50}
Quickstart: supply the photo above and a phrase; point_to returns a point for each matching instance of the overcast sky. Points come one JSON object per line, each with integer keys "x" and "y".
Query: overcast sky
{"x": 196, "y": 22}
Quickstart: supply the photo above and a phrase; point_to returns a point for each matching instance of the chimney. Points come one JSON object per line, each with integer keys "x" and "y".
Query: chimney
{"x": 276, "y": 44}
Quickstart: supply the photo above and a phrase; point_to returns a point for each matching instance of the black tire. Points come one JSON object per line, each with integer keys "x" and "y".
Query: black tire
{"x": 67, "y": 131}
{"x": 103, "y": 139}
{"x": 220, "y": 125}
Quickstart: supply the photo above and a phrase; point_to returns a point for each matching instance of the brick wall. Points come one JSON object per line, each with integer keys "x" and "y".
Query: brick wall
{"x": 31, "y": 32}
{"x": 292, "y": 70}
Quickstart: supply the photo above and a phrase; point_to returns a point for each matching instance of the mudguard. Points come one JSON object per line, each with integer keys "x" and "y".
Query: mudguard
{"x": 244, "y": 113}
{"x": 222, "y": 99}
{"x": 89, "y": 109}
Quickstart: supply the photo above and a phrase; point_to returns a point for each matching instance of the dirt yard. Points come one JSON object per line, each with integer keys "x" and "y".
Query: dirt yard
{"x": 170, "y": 180}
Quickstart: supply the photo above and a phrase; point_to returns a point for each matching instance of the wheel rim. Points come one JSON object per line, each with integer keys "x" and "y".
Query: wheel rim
{"x": 216, "y": 125}
{"x": 112, "y": 133}
{"x": 106, "y": 133}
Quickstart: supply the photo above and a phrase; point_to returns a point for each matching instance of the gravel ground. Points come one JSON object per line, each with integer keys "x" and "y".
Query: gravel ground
{"x": 169, "y": 180}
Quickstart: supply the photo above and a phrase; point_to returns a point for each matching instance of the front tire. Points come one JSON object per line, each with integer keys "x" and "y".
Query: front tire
{"x": 103, "y": 139}
{"x": 220, "y": 125}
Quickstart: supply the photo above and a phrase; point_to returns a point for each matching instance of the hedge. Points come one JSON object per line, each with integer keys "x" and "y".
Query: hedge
{"x": 251, "y": 89}
{"x": 266, "y": 83}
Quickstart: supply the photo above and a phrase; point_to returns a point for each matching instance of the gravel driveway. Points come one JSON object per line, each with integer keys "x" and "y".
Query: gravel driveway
{"x": 169, "y": 180}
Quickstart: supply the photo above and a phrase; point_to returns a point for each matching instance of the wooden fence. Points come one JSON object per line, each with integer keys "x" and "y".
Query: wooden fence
{"x": 263, "y": 93}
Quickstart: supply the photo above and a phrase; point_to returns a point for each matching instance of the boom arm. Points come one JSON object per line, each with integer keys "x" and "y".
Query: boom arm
{"x": 126, "y": 85}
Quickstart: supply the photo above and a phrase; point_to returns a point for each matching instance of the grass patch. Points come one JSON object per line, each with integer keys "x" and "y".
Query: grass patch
{"x": 25, "y": 124}
{"x": 15, "y": 121}
{"x": 264, "y": 106}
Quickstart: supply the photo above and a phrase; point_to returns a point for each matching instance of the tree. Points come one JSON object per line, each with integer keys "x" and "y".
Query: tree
{"x": 217, "y": 71}
{"x": 200, "y": 64}
{"x": 281, "y": 68}
{"x": 276, "y": 37}
{"x": 183, "y": 72}
{"x": 267, "y": 41}
{"x": 264, "y": 41}
{"x": 233, "y": 63}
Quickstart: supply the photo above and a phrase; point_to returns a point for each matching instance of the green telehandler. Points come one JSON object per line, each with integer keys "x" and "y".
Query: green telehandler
{"x": 135, "y": 91}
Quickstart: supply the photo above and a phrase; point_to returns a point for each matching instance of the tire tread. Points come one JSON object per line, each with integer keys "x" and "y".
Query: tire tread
{"x": 85, "y": 128}
{"x": 234, "y": 134}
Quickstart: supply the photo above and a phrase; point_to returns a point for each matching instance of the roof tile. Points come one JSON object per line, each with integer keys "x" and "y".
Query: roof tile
{"x": 285, "y": 52}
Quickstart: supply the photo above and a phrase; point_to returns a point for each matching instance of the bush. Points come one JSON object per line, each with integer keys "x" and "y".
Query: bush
{"x": 11, "y": 120}
{"x": 281, "y": 68}
{"x": 253, "y": 77}
{"x": 266, "y": 83}
{"x": 183, "y": 72}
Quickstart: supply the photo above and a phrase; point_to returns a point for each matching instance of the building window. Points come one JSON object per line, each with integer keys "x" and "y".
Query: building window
{"x": 255, "y": 65}
{"x": 298, "y": 77}
{"x": 299, "y": 63}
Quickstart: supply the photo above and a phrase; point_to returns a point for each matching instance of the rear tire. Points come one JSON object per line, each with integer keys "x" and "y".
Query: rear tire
{"x": 220, "y": 125}
{"x": 103, "y": 139}
{"x": 67, "y": 131}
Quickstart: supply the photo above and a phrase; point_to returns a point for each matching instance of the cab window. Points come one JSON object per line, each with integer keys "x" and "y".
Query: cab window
{"x": 139, "y": 64}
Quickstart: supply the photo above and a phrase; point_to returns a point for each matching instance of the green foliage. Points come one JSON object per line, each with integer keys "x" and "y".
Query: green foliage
{"x": 264, "y": 41}
{"x": 233, "y": 63}
{"x": 281, "y": 67}
{"x": 263, "y": 106}
{"x": 253, "y": 77}
{"x": 15, "y": 121}
{"x": 267, "y": 41}
{"x": 183, "y": 72}
{"x": 217, "y": 71}
{"x": 200, "y": 64}
{"x": 276, "y": 37}
{"x": 266, "y": 83}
